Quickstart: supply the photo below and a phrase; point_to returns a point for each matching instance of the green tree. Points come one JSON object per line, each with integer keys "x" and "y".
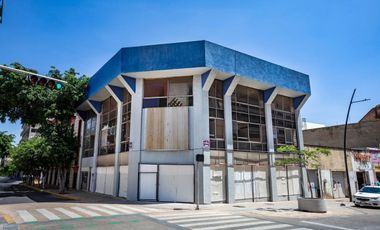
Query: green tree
{"x": 32, "y": 157}
{"x": 6, "y": 145}
{"x": 309, "y": 157}
{"x": 51, "y": 109}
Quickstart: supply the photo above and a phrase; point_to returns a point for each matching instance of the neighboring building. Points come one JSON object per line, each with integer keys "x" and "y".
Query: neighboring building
{"x": 28, "y": 131}
{"x": 151, "y": 109}
{"x": 310, "y": 125}
{"x": 363, "y": 139}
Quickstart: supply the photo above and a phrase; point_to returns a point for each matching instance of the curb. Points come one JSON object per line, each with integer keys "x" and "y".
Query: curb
{"x": 52, "y": 193}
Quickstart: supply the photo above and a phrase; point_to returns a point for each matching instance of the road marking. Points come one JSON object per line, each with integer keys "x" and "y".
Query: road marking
{"x": 151, "y": 209}
{"x": 117, "y": 209}
{"x": 112, "y": 213}
{"x": 183, "y": 214}
{"x": 87, "y": 212}
{"x": 68, "y": 213}
{"x": 8, "y": 219}
{"x": 133, "y": 209}
{"x": 326, "y": 225}
{"x": 26, "y": 216}
{"x": 48, "y": 214}
{"x": 167, "y": 218}
{"x": 217, "y": 222}
{"x": 204, "y": 218}
{"x": 268, "y": 227}
{"x": 235, "y": 225}
{"x": 301, "y": 229}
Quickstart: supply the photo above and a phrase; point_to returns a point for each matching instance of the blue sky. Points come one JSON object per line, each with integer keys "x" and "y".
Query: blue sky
{"x": 337, "y": 43}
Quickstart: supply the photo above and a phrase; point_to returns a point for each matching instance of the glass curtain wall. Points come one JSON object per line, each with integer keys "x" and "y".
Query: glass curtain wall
{"x": 284, "y": 125}
{"x": 249, "y": 133}
{"x": 126, "y": 122}
{"x": 108, "y": 126}
{"x": 216, "y": 116}
{"x": 89, "y": 134}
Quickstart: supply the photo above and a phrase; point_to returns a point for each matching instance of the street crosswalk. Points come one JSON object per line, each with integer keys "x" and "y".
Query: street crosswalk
{"x": 80, "y": 211}
{"x": 218, "y": 221}
{"x": 190, "y": 219}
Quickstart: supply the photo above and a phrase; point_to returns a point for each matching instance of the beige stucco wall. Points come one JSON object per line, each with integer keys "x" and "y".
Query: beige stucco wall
{"x": 335, "y": 161}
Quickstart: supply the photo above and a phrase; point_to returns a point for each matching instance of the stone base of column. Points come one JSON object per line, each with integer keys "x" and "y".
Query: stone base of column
{"x": 93, "y": 180}
{"x": 272, "y": 184}
{"x": 230, "y": 184}
{"x": 133, "y": 175}
{"x": 304, "y": 185}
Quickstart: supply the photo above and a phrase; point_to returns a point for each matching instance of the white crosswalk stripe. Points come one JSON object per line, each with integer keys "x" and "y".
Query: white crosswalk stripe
{"x": 117, "y": 209}
{"x": 167, "y": 218}
{"x": 224, "y": 222}
{"x": 68, "y": 213}
{"x": 276, "y": 226}
{"x": 48, "y": 214}
{"x": 208, "y": 218}
{"x": 85, "y": 211}
{"x": 109, "y": 212}
{"x": 233, "y": 225}
{"x": 138, "y": 210}
{"x": 91, "y": 210}
{"x": 26, "y": 216}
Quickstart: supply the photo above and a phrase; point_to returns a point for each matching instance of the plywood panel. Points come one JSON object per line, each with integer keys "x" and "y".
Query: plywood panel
{"x": 123, "y": 181}
{"x": 176, "y": 183}
{"x": 167, "y": 128}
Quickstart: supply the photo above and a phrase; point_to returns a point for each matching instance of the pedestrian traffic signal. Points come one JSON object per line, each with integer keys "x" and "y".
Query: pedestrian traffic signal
{"x": 49, "y": 83}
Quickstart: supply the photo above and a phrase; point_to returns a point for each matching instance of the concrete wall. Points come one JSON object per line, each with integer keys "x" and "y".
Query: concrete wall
{"x": 362, "y": 134}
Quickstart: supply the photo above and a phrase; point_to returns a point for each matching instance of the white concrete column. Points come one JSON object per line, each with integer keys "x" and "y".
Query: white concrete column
{"x": 81, "y": 147}
{"x": 298, "y": 103}
{"x": 269, "y": 96}
{"x": 229, "y": 86}
{"x": 136, "y": 90}
{"x": 96, "y": 148}
{"x": 201, "y": 134}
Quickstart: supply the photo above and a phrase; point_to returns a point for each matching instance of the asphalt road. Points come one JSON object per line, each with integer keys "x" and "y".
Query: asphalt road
{"x": 13, "y": 188}
{"x": 11, "y": 192}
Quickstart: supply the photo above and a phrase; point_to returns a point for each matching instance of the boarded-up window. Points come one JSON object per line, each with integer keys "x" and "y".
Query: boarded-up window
{"x": 166, "y": 128}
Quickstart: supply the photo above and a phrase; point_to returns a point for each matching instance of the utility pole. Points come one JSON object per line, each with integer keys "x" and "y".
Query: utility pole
{"x": 345, "y": 141}
{"x": 1, "y": 10}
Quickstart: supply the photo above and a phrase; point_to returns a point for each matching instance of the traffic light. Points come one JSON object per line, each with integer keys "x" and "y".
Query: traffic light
{"x": 1, "y": 10}
{"x": 49, "y": 83}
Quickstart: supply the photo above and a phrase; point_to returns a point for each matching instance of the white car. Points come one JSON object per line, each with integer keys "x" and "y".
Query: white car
{"x": 368, "y": 196}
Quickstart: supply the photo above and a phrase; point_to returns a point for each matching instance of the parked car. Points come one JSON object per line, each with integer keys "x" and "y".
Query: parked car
{"x": 368, "y": 196}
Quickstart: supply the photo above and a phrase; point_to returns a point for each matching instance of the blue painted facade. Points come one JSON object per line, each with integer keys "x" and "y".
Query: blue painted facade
{"x": 197, "y": 54}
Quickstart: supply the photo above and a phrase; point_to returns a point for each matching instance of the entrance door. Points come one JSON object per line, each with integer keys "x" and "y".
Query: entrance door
{"x": 176, "y": 183}
{"x": 148, "y": 182}
{"x": 361, "y": 179}
{"x": 217, "y": 173}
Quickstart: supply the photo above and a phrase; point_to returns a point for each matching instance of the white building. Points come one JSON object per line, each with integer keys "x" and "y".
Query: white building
{"x": 151, "y": 109}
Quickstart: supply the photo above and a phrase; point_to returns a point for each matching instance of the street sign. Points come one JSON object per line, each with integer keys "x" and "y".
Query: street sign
{"x": 200, "y": 158}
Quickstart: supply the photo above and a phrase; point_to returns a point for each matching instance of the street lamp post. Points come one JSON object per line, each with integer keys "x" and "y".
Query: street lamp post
{"x": 345, "y": 141}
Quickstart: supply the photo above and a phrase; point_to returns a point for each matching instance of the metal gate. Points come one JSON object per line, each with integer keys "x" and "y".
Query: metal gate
{"x": 251, "y": 182}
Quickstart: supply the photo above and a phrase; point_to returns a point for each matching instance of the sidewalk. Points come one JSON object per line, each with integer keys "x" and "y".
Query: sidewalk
{"x": 338, "y": 207}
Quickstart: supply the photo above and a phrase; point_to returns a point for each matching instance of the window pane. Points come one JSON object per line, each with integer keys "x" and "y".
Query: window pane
{"x": 212, "y": 127}
{"x": 219, "y": 128}
{"x": 243, "y": 131}
{"x": 254, "y": 133}
{"x": 180, "y": 86}
{"x": 155, "y": 88}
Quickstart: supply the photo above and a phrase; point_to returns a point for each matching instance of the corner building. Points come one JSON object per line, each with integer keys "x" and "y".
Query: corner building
{"x": 151, "y": 109}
